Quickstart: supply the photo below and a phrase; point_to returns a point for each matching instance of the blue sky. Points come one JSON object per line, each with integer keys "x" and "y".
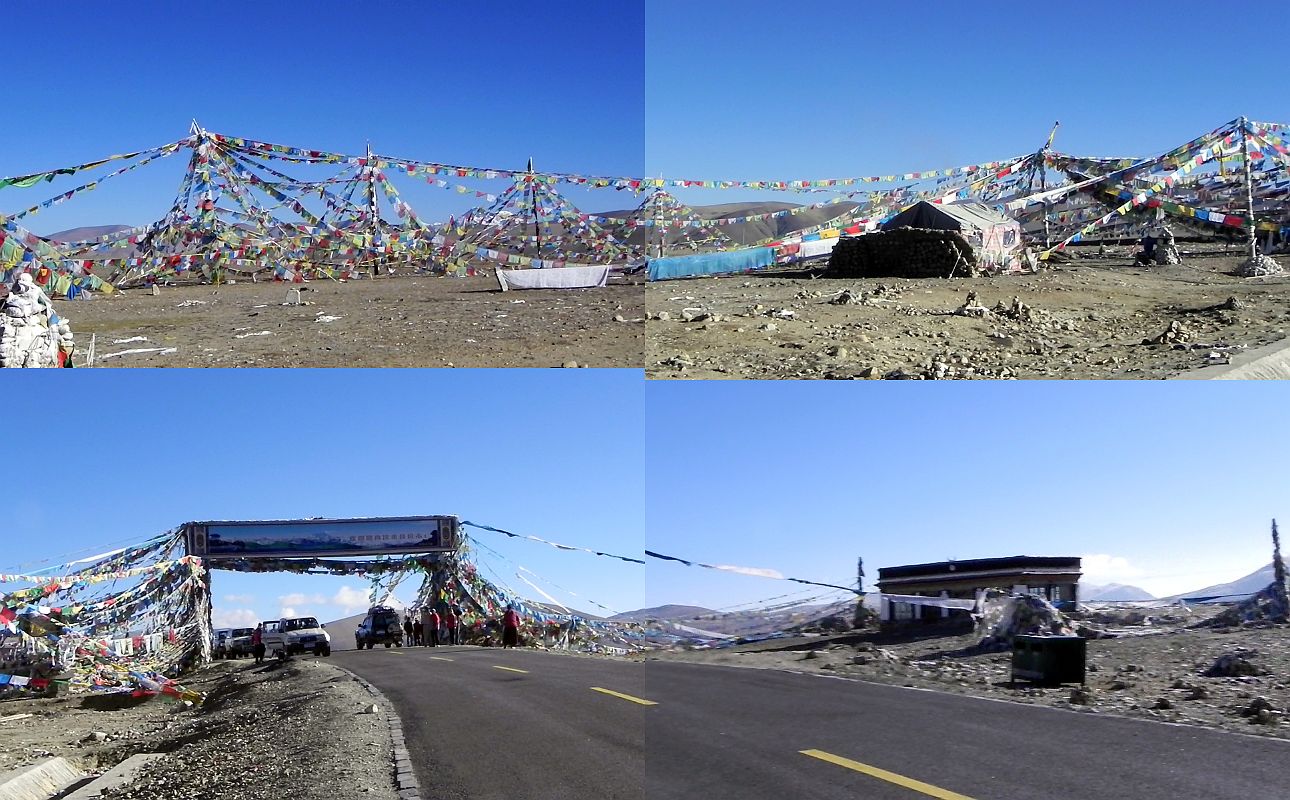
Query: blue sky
{"x": 746, "y": 90}
{"x": 1166, "y": 487}
{"x": 485, "y": 84}
{"x": 712, "y": 90}
{"x": 546, "y": 453}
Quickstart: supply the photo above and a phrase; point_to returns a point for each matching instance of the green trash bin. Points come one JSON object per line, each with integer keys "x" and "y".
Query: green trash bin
{"x": 1048, "y": 660}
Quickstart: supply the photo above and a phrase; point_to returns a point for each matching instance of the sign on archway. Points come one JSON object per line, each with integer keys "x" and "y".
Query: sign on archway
{"x": 314, "y": 538}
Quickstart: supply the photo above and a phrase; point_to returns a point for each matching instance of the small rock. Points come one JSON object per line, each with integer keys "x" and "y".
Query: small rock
{"x": 570, "y": 365}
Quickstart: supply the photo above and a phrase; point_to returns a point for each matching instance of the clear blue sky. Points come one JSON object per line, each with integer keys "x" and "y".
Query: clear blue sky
{"x": 548, "y": 453}
{"x": 1171, "y": 487}
{"x": 754, "y": 90}
{"x": 485, "y": 84}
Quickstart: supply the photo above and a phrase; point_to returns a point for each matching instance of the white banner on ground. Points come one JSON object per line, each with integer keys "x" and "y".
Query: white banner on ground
{"x": 555, "y": 278}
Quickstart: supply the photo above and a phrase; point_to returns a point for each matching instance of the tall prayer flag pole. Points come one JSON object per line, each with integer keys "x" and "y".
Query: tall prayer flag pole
{"x": 1249, "y": 186}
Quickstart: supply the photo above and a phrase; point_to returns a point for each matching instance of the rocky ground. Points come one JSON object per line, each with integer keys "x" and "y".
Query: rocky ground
{"x": 399, "y": 321}
{"x": 1089, "y": 318}
{"x": 261, "y": 728}
{"x": 1163, "y": 670}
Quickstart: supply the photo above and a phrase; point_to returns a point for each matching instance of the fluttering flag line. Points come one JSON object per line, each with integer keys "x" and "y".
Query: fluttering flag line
{"x": 1214, "y": 142}
{"x": 413, "y": 167}
{"x": 466, "y": 523}
{"x": 150, "y": 156}
{"x": 754, "y": 571}
{"x": 24, "y": 181}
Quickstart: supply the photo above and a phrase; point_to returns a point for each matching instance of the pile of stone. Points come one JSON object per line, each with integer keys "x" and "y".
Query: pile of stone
{"x": 903, "y": 253}
{"x": 1027, "y": 614}
{"x": 1259, "y": 266}
{"x": 1019, "y": 615}
{"x": 1236, "y": 664}
{"x": 1265, "y": 607}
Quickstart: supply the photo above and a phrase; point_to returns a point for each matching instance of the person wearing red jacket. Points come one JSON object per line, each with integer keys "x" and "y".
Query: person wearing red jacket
{"x": 450, "y": 624}
{"x": 511, "y": 628}
{"x": 432, "y": 630}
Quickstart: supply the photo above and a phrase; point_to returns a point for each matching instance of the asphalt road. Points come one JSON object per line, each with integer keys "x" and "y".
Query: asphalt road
{"x": 477, "y": 730}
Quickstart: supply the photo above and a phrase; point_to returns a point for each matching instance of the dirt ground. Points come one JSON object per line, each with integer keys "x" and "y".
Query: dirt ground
{"x": 399, "y": 321}
{"x": 1153, "y": 671}
{"x": 302, "y": 722}
{"x": 1088, "y": 319}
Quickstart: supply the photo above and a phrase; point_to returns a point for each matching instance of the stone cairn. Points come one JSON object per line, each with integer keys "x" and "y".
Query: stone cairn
{"x": 1259, "y": 266}
{"x": 903, "y": 253}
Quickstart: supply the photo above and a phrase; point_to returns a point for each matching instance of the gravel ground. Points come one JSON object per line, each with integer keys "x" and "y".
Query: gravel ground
{"x": 1086, "y": 319}
{"x": 400, "y": 321}
{"x": 1159, "y": 676}
{"x": 268, "y": 731}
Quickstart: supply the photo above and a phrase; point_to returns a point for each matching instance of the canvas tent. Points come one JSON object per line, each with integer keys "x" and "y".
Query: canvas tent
{"x": 994, "y": 237}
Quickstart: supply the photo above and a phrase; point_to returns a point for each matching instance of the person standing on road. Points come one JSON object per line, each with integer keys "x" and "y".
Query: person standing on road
{"x": 418, "y": 632}
{"x": 257, "y": 643}
{"x": 407, "y": 629}
{"x": 433, "y": 631}
{"x": 450, "y": 624}
{"x": 511, "y": 628}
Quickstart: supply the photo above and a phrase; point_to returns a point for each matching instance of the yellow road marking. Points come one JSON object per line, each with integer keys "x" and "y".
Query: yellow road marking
{"x": 891, "y": 777}
{"x": 440, "y": 658}
{"x": 511, "y": 669}
{"x": 624, "y": 696}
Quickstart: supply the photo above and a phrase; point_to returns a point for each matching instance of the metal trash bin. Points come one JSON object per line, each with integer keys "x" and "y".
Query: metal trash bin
{"x": 1049, "y": 660}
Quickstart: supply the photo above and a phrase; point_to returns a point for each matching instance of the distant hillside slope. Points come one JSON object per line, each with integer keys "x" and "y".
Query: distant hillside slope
{"x": 1251, "y": 583}
{"x": 750, "y": 232}
{"x": 1113, "y": 592}
{"x": 85, "y": 232}
{"x": 664, "y": 612}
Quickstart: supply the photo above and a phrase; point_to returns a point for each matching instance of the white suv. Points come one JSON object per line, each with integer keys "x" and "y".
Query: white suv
{"x": 296, "y": 635}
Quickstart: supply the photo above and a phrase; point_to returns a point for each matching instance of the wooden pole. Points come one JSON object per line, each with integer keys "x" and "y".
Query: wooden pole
{"x": 537, "y": 230}
{"x": 1043, "y": 182}
{"x": 658, "y": 221}
{"x": 372, "y": 209}
{"x": 1249, "y": 187}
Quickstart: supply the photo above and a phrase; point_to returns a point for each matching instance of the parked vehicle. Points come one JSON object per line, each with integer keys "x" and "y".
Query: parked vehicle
{"x": 238, "y": 643}
{"x": 219, "y": 642}
{"x": 290, "y": 636}
{"x": 380, "y": 626}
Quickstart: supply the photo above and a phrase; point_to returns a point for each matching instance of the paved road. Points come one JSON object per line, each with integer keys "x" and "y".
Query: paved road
{"x": 479, "y": 731}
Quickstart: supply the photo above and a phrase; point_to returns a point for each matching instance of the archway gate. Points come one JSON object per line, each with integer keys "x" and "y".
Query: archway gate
{"x": 135, "y": 618}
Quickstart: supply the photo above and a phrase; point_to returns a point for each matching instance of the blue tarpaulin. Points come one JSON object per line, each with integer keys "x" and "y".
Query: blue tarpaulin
{"x": 711, "y": 263}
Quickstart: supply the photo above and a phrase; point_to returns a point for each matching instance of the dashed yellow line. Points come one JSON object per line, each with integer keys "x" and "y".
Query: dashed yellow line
{"x": 890, "y": 777}
{"x": 624, "y": 696}
{"x": 511, "y": 669}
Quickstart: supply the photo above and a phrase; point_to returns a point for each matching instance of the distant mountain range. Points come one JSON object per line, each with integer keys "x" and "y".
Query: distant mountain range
{"x": 85, "y": 232}
{"x": 1255, "y": 581}
{"x": 1113, "y": 592}
{"x": 664, "y": 612}
{"x": 739, "y": 233}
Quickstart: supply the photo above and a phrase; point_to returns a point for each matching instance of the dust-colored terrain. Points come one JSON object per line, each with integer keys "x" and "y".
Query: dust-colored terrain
{"x": 262, "y": 727}
{"x": 1156, "y": 670}
{"x": 1086, "y": 318}
{"x": 401, "y": 321}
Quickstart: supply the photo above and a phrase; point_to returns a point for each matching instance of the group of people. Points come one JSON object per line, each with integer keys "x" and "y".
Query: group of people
{"x": 429, "y": 628}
